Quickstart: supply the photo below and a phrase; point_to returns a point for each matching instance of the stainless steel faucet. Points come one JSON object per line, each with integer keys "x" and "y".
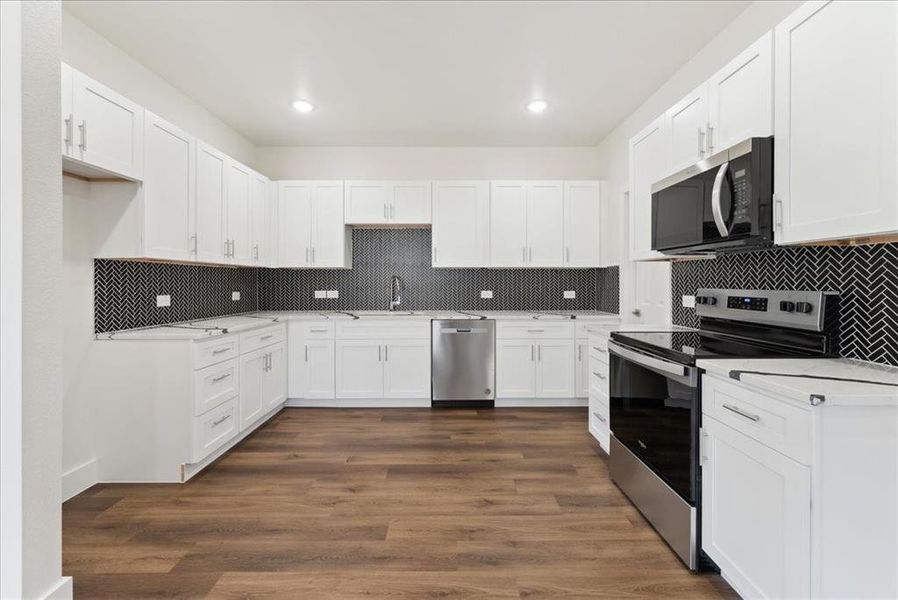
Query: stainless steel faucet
{"x": 395, "y": 292}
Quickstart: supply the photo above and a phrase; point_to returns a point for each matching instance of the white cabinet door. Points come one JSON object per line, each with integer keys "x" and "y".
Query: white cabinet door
{"x": 237, "y": 198}
{"x": 318, "y": 369}
{"x": 581, "y": 370}
{"x": 756, "y": 514}
{"x": 294, "y": 223}
{"x": 649, "y": 161}
{"x": 359, "y": 369}
{"x": 836, "y": 110}
{"x": 545, "y": 224}
{"x": 331, "y": 239}
{"x": 260, "y": 219}
{"x": 508, "y": 224}
{"x": 686, "y": 124}
{"x": 410, "y": 202}
{"x": 555, "y": 369}
{"x": 461, "y": 223}
{"x": 169, "y": 186}
{"x": 367, "y": 202}
{"x": 582, "y": 224}
{"x": 406, "y": 368}
{"x": 211, "y": 168}
{"x": 740, "y": 97}
{"x": 274, "y": 377}
{"x": 107, "y": 128}
{"x": 68, "y": 116}
{"x": 252, "y": 367}
{"x": 515, "y": 369}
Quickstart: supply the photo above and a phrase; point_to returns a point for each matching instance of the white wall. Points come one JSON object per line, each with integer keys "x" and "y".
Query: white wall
{"x": 398, "y": 162}
{"x": 88, "y": 51}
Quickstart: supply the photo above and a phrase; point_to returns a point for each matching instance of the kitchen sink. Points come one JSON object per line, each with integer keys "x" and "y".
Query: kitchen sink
{"x": 385, "y": 313}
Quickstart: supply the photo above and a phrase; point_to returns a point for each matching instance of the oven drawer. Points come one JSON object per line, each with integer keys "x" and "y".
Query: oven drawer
{"x": 774, "y": 423}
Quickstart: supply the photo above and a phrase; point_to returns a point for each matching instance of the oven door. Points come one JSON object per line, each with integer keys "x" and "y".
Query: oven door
{"x": 655, "y": 412}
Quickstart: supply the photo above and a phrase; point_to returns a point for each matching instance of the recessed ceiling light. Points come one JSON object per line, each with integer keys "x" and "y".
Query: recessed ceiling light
{"x": 303, "y": 106}
{"x": 537, "y": 106}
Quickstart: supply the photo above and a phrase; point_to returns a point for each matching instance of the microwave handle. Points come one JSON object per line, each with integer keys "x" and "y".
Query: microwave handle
{"x": 716, "y": 207}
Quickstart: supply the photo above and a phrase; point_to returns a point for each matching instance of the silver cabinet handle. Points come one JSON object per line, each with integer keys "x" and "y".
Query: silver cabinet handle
{"x": 313, "y": 255}
{"x": 392, "y": 211}
{"x": 599, "y": 375}
{"x": 535, "y": 330}
{"x": 193, "y": 244}
{"x": 267, "y": 337}
{"x": 220, "y": 350}
{"x": 220, "y": 377}
{"x": 307, "y": 353}
{"x": 602, "y": 350}
{"x": 378, "y": 354}
{"x": 579, "y": 353}
{"x": 701, "y": 142}
{"x": 710, "y": 138}
{"x": 227, "y": 248}
{"x": 599, "y": 417}
{"x": 256, "y": 251}
{"x": 716, "y": 206}
{"x": 530, "y": 257}
{"x": 741, "y": 412}
{"x": 386, "y": 353}
{"x": 539, "y": 352}
{"x": 319, "y": 330}
{"x": 68, "y": 130}
{"x": 218, "y": 422}
{"x": 531, "y": 353}
{"x": 269, "y": 361}
{"x": 385, "y": 211}
{"x": 83, "y": 129}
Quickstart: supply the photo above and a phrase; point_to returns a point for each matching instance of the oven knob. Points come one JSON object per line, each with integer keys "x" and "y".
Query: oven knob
{"x": 709, "y": 300}
{"x": 787, "y": 306}
{"x": 712, "y": 300}
{"x": 803, "y": 307}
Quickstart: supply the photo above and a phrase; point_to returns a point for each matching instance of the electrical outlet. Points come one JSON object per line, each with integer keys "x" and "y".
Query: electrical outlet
{"x": 235, "y": 296}
{"x": 487, "y": 294}
{"x": 320, "y": 294}
{"x": 570, "y": 294}
{"x": 333, "y": 293}
{"x": 688, "y": 301}
{"x": 163, "y": 301}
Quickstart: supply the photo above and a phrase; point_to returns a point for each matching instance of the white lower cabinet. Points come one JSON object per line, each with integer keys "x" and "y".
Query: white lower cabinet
{"x": 212, "y": 430}
{"x": 407, "y": 369}
{"x": 359, "y": 369}
{"x": 274, "y": 378}
{"x": 311, "y": 359}
{"x": 597, "y": 384}
{"x": 555, "y": 369}
{"x": 515, "y": 371}
{"x": 263, "y": 382}
{"x": 535, "y": 368}
{"x": 581, "y": 370}
{"x": 374, "y": 369}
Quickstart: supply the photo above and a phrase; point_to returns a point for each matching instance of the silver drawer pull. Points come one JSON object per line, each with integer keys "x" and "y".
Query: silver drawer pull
{"x": 319, "y": 330}
{"x": 220, "y": 350}
{"x": 599, "y": 375}
{"x": 220, "y": 377}
{"x": 535, "y": 330}
{"x": 741, "y": 412}
{"x": 267, "y": 337}
{"x": 218, "y": 422}
{"x": 599, "y": 417}
{"x": 602, "y": 350}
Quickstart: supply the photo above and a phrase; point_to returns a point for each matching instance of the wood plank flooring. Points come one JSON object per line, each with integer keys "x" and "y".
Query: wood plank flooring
{"x": 394, "y": 503}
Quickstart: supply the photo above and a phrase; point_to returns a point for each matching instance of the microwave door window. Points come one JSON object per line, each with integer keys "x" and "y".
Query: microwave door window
{"x": 678, "y": 213}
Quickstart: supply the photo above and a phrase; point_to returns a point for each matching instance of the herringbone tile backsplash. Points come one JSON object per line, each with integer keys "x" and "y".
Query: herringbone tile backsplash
{"x": 866, "y": 278}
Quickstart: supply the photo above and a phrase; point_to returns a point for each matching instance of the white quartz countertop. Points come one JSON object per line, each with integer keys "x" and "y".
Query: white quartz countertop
{"x": 606, "y": 329}
{"x": 803, "y": 387}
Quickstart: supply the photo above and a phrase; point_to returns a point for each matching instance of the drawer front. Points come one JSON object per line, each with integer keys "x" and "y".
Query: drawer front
{"x": 533, "y": 330}
{"x": 598, "y": 376}
{"x": 378, "y": 329}
{"x": 599, "y": 422}
{"x": 598, "y": 348}
{"x": 584, "y": 325}
{"x": 215, "y": 351}
{"x": 262, "y": 337}
{"x": 215, "y": 385}
{"x": 775, "y": 423}
{"x": 317, "y": 329}
{"x": 214, "y": 429}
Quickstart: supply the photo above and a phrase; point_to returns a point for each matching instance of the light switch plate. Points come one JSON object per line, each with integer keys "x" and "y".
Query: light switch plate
{"x": 235, "y": 296}
{"x": 333, "y": 293}
{"x": 688, "y": 301}
{"x": 570, "y": 294}
{"x": 163, "y": 301}
{"x": 320, "y": 294}
{"x": 488, "y": 294}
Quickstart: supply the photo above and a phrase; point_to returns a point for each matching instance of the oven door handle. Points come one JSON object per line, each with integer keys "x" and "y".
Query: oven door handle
{"x": 677, "y": 371}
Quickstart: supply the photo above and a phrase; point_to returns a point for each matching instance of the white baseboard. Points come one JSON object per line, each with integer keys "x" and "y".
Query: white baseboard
{"x": 540, "y": 402}
{"x": 61, "y": 591}
{"x": 78, "y": 479}
{"x": 358, "y": 403}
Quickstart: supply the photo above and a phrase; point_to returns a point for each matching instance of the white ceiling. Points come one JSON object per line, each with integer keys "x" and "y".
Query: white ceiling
{"x": 413, "y": 73}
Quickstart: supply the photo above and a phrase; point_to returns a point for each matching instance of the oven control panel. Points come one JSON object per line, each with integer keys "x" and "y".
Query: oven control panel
{"x": 747, "y": 303}
{"x": 795, "y": 309}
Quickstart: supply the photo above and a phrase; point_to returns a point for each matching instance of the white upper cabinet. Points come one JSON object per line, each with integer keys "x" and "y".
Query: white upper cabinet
{"x": 508, "y": 224}
{"x": 836, "y": 116}
{"x": 260, "y": 210}
{"x": 740, "y": 97}
{"x": 545, "y": 224}
{"x": 211, "y": 173}
{"x": 649, "y": 162}
{"x": 582, "y": 223}
{"x": 526, "y": 224}
{"x": 294, "y": 223}
{"x": 311, "y": 228}
{"x": 687, "y": 127}
{"x": 237, "y": 197}
{"x": 102, "y": 130}
{"x": 169, "y": 188}
{"x": 461, "y": 217}
{"x": 387, "y": 202}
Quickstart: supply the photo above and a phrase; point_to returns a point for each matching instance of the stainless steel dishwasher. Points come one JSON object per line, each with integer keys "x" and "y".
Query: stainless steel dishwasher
{"x": 463, "y": 362}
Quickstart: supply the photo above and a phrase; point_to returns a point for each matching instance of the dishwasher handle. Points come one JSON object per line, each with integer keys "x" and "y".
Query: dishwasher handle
{"x": 463, "y": 330}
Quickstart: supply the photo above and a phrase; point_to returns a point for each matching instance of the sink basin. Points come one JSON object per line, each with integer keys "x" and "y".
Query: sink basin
{"x": 385, "y": 313}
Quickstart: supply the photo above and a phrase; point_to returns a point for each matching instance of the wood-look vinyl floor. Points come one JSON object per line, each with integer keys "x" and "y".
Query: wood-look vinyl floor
{"x": 393, "y": 503}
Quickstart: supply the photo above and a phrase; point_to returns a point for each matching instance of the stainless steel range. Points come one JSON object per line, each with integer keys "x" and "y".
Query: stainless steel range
{"x": 656, "y": 395}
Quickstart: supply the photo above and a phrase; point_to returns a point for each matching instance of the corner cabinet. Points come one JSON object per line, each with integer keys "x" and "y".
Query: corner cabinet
{"x": 836, "y": 133}
{"x": 311, "y": 228}
{"x": 461, "y": 224}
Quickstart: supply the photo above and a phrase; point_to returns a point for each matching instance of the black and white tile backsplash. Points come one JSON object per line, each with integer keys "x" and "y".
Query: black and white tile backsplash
{"x": 865, "y": 276}
{"x": 125, "y": 292}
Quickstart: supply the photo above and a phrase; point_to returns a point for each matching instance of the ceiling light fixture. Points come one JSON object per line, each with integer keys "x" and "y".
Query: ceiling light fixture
{"x": 537, "y": 106}
{"x": 303, "y": 106}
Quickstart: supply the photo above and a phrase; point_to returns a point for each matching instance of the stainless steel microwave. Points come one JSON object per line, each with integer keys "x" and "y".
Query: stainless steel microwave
{"x": 723, "y": 203}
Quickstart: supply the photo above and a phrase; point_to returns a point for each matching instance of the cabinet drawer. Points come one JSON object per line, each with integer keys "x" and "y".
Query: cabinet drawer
{"x": 598, "y": 348}
{"x": 533, "y": 330}
{"x": 214, "y": 429}
{"x": 390, "y": 328}
{"x": 214, "y": 385}
{"x": 317, "y": 329}
{"x": 598, "y": 376}
{"x": 261, "y": 338}
{"x": 215, "y": 351}
{"x": 582, "y": 328}
{"x": 774, "y": 423}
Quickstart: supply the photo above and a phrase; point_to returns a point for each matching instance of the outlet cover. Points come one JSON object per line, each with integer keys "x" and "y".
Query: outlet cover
{"x": 163, "y": 301}
{"x": 333, "y": 293}
{"x": 570, "y": 294}
{"x": 487, "y": 294}
{"x": 235, "y": 296}
{"x": 320, "y": 294}
{"x": 688, "y": 301}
